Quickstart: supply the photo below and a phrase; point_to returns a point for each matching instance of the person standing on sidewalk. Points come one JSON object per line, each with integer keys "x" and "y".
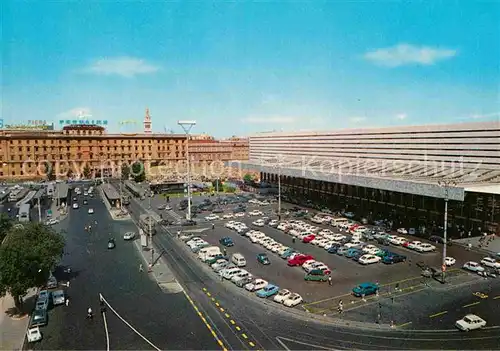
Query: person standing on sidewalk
{"x": 141, "y": 269}
{"x": 330, "y": 280}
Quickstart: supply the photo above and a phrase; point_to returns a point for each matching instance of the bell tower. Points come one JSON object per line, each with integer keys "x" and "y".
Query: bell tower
{"x": 147, "y": 123}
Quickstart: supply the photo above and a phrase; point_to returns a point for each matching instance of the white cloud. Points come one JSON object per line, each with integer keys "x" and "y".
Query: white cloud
{"x": 121, "y": 66}
{"x": 357, "y": 119}
{"x": 405, "y": 54}
{"x": 486, "y": 115}
{"x": 401, "y": 116}
{"x": 270, "y": 120}
{"x": 76, "y": 112}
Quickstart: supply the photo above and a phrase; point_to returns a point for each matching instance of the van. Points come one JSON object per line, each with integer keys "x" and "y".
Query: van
{"x": 206, "y": 251}
{"x": 238, "y": 260}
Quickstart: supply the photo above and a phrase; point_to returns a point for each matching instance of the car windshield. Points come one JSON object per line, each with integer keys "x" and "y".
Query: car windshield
{"x": 467, "y": 320}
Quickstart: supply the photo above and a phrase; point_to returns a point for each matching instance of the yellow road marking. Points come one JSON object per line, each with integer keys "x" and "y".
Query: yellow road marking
{"x": 238, "y": 328}
{"x": 208, "y": 294}
{"x": 232, "y": 322}
{"x": 496, "y": 297}
{"x": 213, "y": 298}
{"x": 204, "y": 289}
{"x": 221, "y": 309}
{"x": 438, "y": 314}
{"x": 217, "y": 304}
{"x": 404, "y": 324}
{"x": 245, "y": 336}
{"x": 203, "y": 319}
{"x": 472, "y": 304}
{"x": 251, "y": 343}
{"x": 227, "y": 316}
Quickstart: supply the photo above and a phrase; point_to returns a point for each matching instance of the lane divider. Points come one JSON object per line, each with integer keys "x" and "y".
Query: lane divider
{"x": 471, "y": 304}
{"x": 438, "y": 314}
{"x": 228, "y": 316}
{"x": 204, "y": 320}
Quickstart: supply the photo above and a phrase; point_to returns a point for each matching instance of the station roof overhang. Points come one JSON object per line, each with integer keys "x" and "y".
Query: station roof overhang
{"x": 408, "y": 186}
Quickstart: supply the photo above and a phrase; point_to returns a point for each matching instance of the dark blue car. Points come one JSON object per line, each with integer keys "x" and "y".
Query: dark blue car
{"x": 226, "y": 241}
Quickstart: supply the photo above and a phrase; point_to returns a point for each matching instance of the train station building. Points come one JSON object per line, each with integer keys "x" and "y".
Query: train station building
{"x": 402, "y": 174}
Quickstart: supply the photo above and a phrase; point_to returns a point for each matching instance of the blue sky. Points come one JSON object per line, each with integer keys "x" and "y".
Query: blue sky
{"x": 242, "y": 67}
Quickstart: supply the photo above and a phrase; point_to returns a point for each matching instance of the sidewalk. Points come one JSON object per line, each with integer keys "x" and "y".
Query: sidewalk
{"x": 116, "y": 213}
{"x": 491, "y": 247}
{"x": 13, "y": 329}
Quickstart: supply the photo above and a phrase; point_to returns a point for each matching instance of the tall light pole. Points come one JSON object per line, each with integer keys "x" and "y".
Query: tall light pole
{"x": 186, "y": 126}
{"x": 446, "y": 184}
{"x": 150, "y": 231}
{"x": 279, "y": 190}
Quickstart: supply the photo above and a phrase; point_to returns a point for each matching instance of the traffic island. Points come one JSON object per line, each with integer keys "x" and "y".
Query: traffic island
{"x": 117, "y": 214}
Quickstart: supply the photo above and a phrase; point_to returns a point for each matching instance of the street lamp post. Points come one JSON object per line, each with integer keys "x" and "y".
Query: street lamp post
{"x": 446, "y": 184}
{"x": 279, "y": 191}
{"x": 186, "y": 126}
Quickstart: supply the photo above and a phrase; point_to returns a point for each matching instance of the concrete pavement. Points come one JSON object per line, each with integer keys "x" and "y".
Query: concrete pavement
{"x": 13, "y": 328}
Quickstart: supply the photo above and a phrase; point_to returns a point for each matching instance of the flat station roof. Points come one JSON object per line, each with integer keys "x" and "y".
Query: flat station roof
{"x": 62, "y": 190}
{"x": 110, "y": 191}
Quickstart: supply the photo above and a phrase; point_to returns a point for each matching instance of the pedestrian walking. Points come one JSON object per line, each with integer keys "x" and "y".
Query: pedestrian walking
{"x": 178, "y": 234}
{"x": 67, "y": 301}
{"x": 141, "y": 269}
{"x": 213, "y": 226}
{"x": 341, "y": 307}
{"x": 330, "y": 281}
{"x": 293, "y": 240}
{"x": 224, "y": 251}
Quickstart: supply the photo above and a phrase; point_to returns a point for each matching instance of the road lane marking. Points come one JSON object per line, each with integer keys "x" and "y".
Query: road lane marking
{"x": 227, "y": 315}
{"x": 238, "y": 328}
{"x": 208, "y": 294}
{"x": 217, "y": 304}
{"x": 251, "y": 344}
{"x": 221, "y": 309}
{"x": 438, "y": 314}
{"x": 213, "y": 299}
{"x": 232, "y": 322}
{"x": 403, "y": 325}
{"x": 472, "y": 304}
{"x": 496, "y": 297}
{"x": 204, "y": 321}
{"x": 244, "y": 336}
{"x": 204, "y": 289}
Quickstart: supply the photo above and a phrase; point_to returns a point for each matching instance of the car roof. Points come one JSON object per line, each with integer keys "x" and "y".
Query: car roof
{"x": 366, "y": 285}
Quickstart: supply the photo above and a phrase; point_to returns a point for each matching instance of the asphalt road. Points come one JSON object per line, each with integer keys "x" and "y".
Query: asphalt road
{"x": 269, "y": 326}
{"x": 167, "y": 320}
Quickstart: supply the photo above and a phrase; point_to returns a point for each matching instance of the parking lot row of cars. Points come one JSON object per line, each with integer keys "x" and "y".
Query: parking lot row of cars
{"x": 233, "y": 269}
{"x": 315, "y": 270}
{"x": 46, "y": 298}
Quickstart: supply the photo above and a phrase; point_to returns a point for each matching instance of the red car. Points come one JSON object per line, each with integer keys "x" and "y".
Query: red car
{"x": 299, "y": 260}
{"x": 309, "y": 238}
{"x": 406, "y": 243}
{"x": 353, "y": 227}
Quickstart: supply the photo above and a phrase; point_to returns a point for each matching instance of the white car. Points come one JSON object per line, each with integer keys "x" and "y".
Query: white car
{"x": 239, "y": 215}
{"x": 258, "y": 223}
{"x": 227, "y": 216}
{"x": 212, "y": 217}
{"x": 338, "y": 237}
{"x": 369, "y": 259}
{"x": 402, "y": 231}
{"x": 293, "y": 300}
{"x": 273, "y": 223}
{"x": 52, "y": 221}
{"x": 230, "y": 224}
{"x": 473, "y": 266}
{"x": 242, "y": 275}
{"x": 312, "y": 266}
{"x": 354, "y": 243}
{"x": 490, "y": 262}
{"x": 282, "y": 295}
{"x": 282, "y": 226}
{"x": 255, "y": 213}
{"x": 398, "y": 240}
{"x": 470, "y": 322}
{"x": 219, "y": 264}
{"x": 449, "y": 261}
{"x": 230, "y": 272}
{"x": 256, "y": 285}
{"x": 425, "y": 248}
{"x": 34, "y": 334}
{"x": 370, "y": 249}
{"x": 75, "y": 206}
{"x": 325, "y": 232}
{"x": 414, "y": 245}
{"x": 91, "y": 211}
{"x": 128, "y": 236}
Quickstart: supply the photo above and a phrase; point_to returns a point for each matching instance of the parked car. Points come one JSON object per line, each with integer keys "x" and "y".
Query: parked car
{"x": 282, "y": 295}
{"x": 369, "y": 259}
{"x": 255, "y": 285}
{"x": 51, "y": 282}
{"x": 128, "y": 236}
{"x": 365, "y": 289}
{"x": 299, "y": 260}
{"x": 317, "y": 275}
{"x": 293, "y": 300}
{"x": 393, "y": 258}
{"x": 263, "y": 259}
{"x": 490, "y": 262}
{"x": 34, "y": 334}
{"x": 449, "y": 261}
{"x": 268, "y": 290}
{"x": 38, "y": 318}
{"x": 58, "y": 297}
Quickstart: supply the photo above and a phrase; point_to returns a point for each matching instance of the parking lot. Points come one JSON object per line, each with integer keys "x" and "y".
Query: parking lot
{"x": 398, "y": 282}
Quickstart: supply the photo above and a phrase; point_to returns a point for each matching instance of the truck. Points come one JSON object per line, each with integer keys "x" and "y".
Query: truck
{"x": 24, "y": 213}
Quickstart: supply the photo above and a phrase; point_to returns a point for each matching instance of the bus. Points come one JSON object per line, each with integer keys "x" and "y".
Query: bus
{"x": 18, "y": 194}
{"x": 24, "y": 213}
{"x": 134, "y": 190}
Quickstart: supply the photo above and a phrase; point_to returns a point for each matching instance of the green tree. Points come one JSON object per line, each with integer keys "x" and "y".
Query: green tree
{"x": 125, "y": 171}
{"x": 50, "y": 172}
{"x": 248, "y": 178}
{"x": 27, "y": 257}
{"x": 138, "y": 171}
{"x": 217, "y": 184}
{"x": 5, "y": 225}
{"x": 86, "y": 172}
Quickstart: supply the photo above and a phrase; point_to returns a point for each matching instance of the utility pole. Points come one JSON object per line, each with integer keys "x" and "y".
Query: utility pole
{"x": 279, "y": 191}
{"x": 39, "y": 210}
{"x": 150, "y": 232}
{"x": 186, "y": 126}
{"x": 446, "y": 184}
